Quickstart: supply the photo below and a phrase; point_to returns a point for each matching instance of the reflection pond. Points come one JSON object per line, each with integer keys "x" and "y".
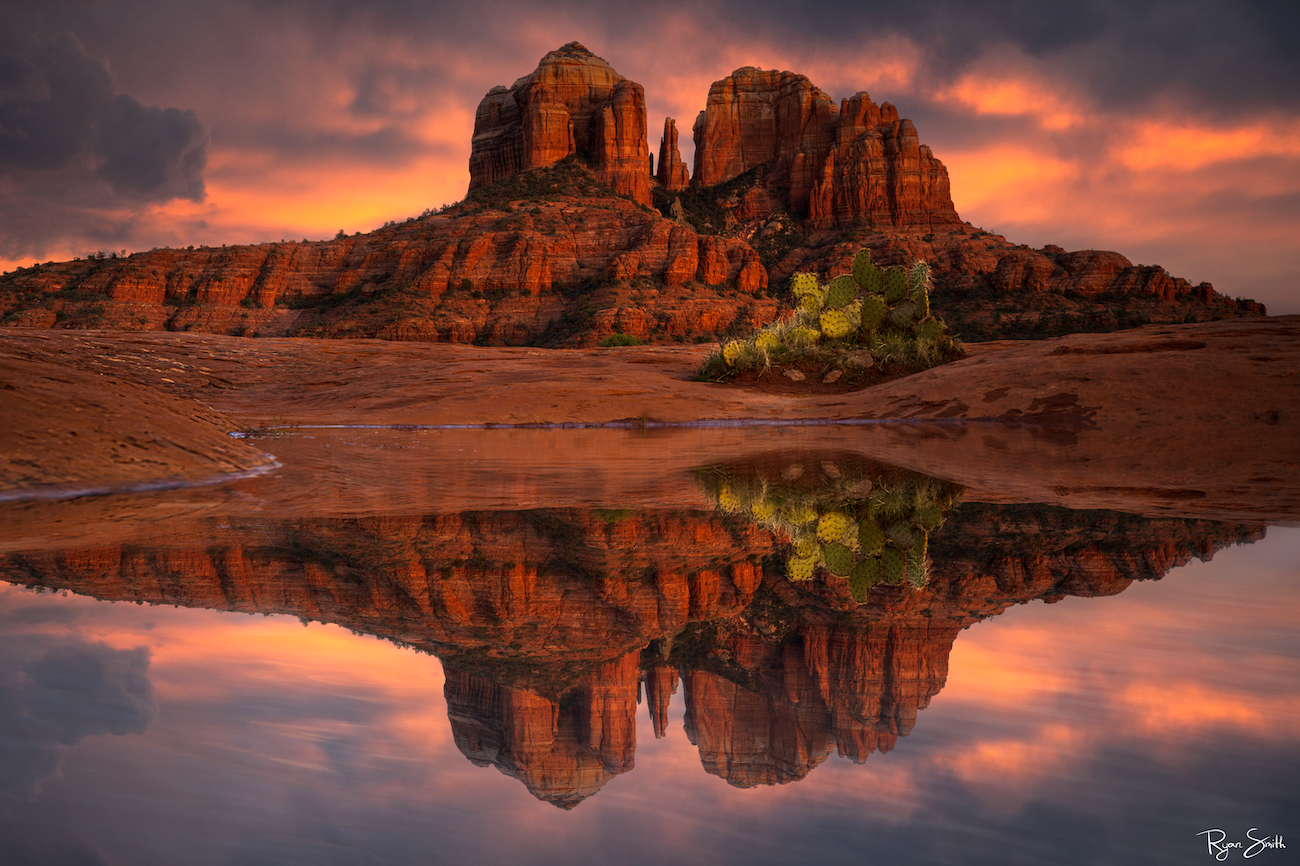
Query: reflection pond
{"x": 763, "y": 658}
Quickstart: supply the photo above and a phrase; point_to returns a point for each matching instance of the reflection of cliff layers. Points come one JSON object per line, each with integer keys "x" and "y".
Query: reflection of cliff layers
{"x": 562, "y": 751}
{"x": 546, "y": 620}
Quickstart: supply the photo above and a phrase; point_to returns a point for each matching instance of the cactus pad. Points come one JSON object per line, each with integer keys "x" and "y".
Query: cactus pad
{"x": 861, "y": 265}
{"x": 873, "y": 312}
{"x": 922, "y": 300}
{"x": 802, "y": 284}
{"x": 836, "y": 325}
{"x": 763, "y": 510}
{"x": 902, "y": 314}
{"x": 731, "y": 352}
{"x": 728, "y": 499}
{"x": 895, "y": 284}
{"x": 767, "y": 341}
{"x": 801, "y": 568}
{"x": 902, "y": 534}
{"x": 832, "y": 527}
{"x": 803, "y": 336}
{"x": 864, "y": 575}
{"x": 893, "y": 565}
{"x": 838, "y": 559}
{"x": 841, "y": 292}
{"x": 929, "y": 329}
{"x": 870, "y": 538}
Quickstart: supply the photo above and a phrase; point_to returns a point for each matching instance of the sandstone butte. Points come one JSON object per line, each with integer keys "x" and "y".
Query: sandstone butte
{"x": 557, "y": 242}
{"x": 550, "y": 622}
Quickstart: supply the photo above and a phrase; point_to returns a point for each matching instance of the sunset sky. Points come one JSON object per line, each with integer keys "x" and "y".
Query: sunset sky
{"x": 1167, "y": 131}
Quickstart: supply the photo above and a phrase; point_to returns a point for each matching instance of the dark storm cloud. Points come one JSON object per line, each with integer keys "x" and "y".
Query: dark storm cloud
{"x": 70, "y": 147}
{"x": 57, "y": 109}
{"x": 56, "y": 698}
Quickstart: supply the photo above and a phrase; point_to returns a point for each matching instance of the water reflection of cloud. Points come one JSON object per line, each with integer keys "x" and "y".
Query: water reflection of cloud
{"x": 55, "y": 693}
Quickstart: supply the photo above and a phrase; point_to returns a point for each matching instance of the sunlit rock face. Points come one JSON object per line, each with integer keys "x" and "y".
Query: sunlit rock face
{"x": 839, "y": 164}
{"x": 573, "y": 102}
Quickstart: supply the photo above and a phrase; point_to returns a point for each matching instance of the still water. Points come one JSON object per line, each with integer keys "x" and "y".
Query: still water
{"x": 402, "y": 651}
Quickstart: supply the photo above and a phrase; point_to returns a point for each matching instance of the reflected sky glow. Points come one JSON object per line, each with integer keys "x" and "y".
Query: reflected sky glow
{"x": 1094, "y": 721}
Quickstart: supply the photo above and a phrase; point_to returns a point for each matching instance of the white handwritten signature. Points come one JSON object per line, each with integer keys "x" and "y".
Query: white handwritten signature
{"x": 1220, "y": 846}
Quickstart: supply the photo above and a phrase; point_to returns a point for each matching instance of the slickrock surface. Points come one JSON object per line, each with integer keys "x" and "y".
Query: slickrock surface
{"x": 574, "y": 101}
{"x": 1194, "y": 420}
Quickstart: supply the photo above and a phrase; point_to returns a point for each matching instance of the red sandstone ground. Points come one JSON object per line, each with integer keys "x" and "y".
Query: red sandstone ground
{"x": 1191, "y": 420}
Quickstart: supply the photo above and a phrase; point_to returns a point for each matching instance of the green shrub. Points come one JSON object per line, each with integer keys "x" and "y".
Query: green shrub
{"x": 619, "y": 340}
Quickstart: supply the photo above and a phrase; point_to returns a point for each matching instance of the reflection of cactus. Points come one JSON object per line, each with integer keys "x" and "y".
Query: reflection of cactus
{"x": 870, "y": 538}
{"x": 832, "y": 511}
{"x": 838, "y": 559}
{"x": 893, "y": 565}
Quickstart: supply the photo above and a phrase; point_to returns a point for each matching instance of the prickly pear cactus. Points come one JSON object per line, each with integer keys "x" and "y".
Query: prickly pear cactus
{"x": 861, "y": 266}
{"x": 841, "y": 292}
{"x": 801, "y": 568}
{"x": 838, "y": 559}
{"x": 805, "y": 288}
{"x": 895, "y": 284}
{"x": 874, "y": 310}
{"x": 833, "y": 526}
{"x": 767, "y": 341}
{"x": 836, "y": 324}
{"x": 903, "y": 314}
{"x": 902, "y": 534}
{"x": 803, "y": 336}
{"x": 922, "y": 301}
{"x": 731, "y": 352}
{"x": 865, "y": 575}
{"x": 929, "y": 329}
{"x": 893, "y": 565}
{"x": 871, "y": 538}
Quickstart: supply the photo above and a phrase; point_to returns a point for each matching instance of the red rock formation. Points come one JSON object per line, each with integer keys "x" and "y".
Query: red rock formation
{"x": 660, "y": 686}
{"x": 759, "y": 117}
{"x": 858, "y": 162}
{"x": 574, "y": 101}
{"x": 564, "y": 750}
{"x": 880, "y": 172}
{"x": 672, "y": 170}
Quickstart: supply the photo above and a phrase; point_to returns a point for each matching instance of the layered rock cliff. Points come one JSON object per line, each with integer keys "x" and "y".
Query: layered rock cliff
{"x": 549, "y": 256}
{"x": 573, "y": 102}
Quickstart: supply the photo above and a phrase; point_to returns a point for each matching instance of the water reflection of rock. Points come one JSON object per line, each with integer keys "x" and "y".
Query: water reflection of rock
{"x": 549, "y": 622}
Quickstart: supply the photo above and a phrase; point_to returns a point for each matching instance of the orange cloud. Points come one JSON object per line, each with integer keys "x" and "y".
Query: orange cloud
{"x": 1013, "y": 96}
{"x": 1183, "y": 145}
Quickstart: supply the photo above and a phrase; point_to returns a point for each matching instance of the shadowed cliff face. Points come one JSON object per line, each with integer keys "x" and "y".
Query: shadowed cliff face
{"x": 551, "y": 622}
